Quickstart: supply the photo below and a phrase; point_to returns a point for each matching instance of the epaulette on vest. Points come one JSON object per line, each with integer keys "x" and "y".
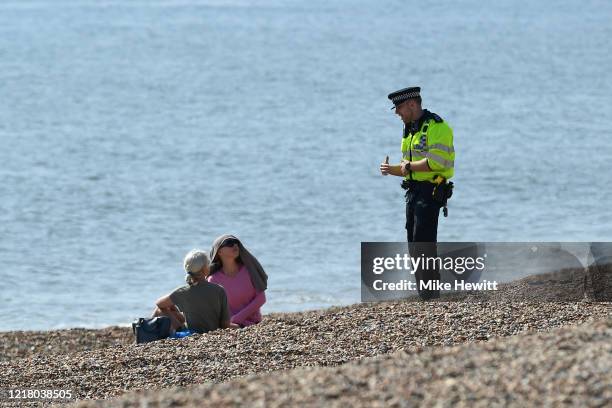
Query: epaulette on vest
{"x": 434, "y": 116}
{"x": 427, "y": 116}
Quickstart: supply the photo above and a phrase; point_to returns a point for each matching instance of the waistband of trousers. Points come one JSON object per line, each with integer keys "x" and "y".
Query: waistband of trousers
{"x": 417, "y": 185}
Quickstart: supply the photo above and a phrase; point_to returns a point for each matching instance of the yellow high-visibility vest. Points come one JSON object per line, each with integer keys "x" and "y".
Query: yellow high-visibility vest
{"x": 434, "y": 141}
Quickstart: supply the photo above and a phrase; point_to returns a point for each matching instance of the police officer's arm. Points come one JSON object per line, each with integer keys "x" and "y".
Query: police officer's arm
{"x": 394, "y": 170}
{"x": 400, "y": 169}
{"x": 418, "y": 165}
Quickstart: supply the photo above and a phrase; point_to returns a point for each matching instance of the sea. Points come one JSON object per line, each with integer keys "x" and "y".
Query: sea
{"x": 133, "y": 132}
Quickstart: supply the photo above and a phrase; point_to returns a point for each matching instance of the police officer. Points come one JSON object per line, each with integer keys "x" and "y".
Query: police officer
{"x": 427, "y": 164}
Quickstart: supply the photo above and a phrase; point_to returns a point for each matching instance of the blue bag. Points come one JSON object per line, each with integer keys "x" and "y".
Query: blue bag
{"x": 151, "y": 329}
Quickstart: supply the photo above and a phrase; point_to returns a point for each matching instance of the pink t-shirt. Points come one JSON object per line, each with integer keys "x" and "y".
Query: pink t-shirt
{"x": 244, "y": 300}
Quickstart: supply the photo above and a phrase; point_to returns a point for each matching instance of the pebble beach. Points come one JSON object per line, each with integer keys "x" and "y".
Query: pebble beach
{"x": 466, "y": 349}
{"x": 137, "y": 131}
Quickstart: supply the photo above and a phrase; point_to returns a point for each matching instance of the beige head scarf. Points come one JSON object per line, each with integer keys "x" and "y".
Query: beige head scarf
{"x": 258, "y": 275}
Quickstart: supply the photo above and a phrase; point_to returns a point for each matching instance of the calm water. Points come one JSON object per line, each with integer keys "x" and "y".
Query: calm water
{"x": 134, "y": 132}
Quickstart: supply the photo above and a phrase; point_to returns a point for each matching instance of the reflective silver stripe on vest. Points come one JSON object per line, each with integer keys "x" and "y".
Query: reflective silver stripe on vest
{"x": 440, "y": 160}
{"x": 442, "y": 147}
{"x": 421, "y": 150}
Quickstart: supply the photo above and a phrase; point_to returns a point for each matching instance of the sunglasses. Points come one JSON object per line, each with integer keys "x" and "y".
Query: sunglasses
{"x": 229, "y": 243}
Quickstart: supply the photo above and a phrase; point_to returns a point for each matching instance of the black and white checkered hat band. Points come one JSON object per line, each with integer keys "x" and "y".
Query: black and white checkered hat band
{"x": 403, "y": 97}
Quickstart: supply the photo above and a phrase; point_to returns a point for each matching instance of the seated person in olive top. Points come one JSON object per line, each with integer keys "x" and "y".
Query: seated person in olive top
{"x": 202, "y": 305}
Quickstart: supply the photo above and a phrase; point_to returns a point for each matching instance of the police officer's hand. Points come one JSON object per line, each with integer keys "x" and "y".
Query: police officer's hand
{"x": 384, "y": 167}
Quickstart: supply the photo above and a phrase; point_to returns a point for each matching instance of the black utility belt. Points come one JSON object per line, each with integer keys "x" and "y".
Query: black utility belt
{"x": 417, "y": 185}
{"x": 440, "y": 192}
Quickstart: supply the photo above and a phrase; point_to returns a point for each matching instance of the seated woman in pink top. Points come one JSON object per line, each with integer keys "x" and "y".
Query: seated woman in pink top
{"x": 242, "y": 277}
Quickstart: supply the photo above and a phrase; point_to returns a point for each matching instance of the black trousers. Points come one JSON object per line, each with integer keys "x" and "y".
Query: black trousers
{"x": 422, "y": 232}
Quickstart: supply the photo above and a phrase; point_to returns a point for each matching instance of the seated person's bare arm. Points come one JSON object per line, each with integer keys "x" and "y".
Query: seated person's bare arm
{"x": 166, "y": 305}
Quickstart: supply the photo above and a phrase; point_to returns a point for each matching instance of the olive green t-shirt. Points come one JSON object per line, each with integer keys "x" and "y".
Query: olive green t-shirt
{"x": 204, "y": 305}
